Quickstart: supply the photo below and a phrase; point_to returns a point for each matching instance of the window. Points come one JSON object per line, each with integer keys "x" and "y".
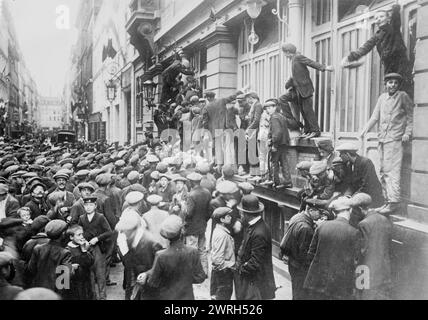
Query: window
{"x": 203, "y": 82}
{"x": 321, "y": 11}
{"x": 203, "y": 59}
{"x": 139, "y": 105}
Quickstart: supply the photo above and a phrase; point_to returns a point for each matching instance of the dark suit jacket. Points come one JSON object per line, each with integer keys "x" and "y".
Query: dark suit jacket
{"x": 43, "y": 264}
{"x": 300, "y": 73}
{"x": 278, "y": 130}
{"x": 98, "y": 227}
{"x": 174, "y": 272}
{"x": 215, "y": 113}
{"x": 364, "y": 179}
{"x": 377, "y": 236}
{"x": 334, "y": 252}
{"x": 140, "y": 259}
{"x": 255, "y": 259}
{"x": 37, "y": 209}
{"x": 106, "y": 206}
{"x": 198, "y": 211}
{"x": 254, "y": 120}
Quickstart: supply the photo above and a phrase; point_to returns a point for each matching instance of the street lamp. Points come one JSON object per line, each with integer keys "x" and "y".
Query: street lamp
{"x": 149, "y": 88}
{"x": 254, "y": 8}
{"x": 111, "y": 91}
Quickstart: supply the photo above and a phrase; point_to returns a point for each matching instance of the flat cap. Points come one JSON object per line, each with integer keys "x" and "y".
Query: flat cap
{"x": 65, "y": 161}
{"x": 133, "y": 175}
{"x": 318, "y": 167}
{"x": 162, "y": 167}
{"x": 177, "y": 177}
{"x": 55, "y": 196}
{"x": 155, "y": 175}
{"x": 61, "y": 175}
{"x": 12, "y": 169}
{"x": 343, "y": 203}
{"x": 129, "y": 221}
{"x": 94, "y": 173}
{"x": 393, "y": 75}
{"x": 55, "y": 228}
{"x": 82, "y": 173}
{"x": 227, "y": 187}
{"x": 134, "y": 159}
{"x": 348, "y": 146}
{"x": 171, "y": 227}
{"x": 325, "y": 144}
{"x": 228, "y": 170}
{"x": 361, "y": 200}
{"x": 203, "y": 167}
{"x": 134, "y": 197}
{"x": 119, "y": 163}
{"x": 103, "y": 179}
{"x": 152, "y": 158}
{"x": 83, "y": 164}
{"x": 169, "y": 177}
{"x": 90, "y": 199}
{"x": 246, "y": 187}
{"x": 194, "y": 177}
{"x": 289, "y": 47}
{"x": 120, "y": 154}
{"x": 154, "y": 199}
{"x": 221, "y": 212}
{"x": 85, "y": 185}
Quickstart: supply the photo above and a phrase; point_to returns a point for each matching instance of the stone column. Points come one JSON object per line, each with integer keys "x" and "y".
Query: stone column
{"x": 222, "y": 62}
{"x": 295, "y": 23}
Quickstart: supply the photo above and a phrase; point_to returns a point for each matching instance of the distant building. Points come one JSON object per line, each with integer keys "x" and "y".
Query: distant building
{"x": 50, "y": 113}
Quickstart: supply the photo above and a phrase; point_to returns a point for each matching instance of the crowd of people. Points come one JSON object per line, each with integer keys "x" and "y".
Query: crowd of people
{"x": 176, "y": 217}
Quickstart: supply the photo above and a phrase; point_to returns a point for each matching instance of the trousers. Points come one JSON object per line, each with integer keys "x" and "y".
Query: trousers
{"x": 308, "y": 113}
{"x": 298, "y": 276}
{"x": 391, "y": 156}
{"x": 280, "y": 157}
{"x": 199, "y": 242}
{"x": 98, "y": 274}
{"x": 221, "y": 284}
{"x": 263, "y": 156}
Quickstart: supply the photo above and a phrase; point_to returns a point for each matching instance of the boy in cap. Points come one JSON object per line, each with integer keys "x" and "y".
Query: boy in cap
{"x": 80, "y": 286}
{"x": 78, "y": 209}
{"x": 301, "y": 83}
{"x": 97, "y": 231}
{"x": 222, "y": 255}
{"x": 175, "y": 269}
{"x": 279, "y": 141}
{"x": 394, "y": 113}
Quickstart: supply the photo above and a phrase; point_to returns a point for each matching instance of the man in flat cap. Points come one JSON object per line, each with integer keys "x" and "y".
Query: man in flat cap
{"x": 80, "y": 177}
{"x": 37, "y": 203}
{"x": 138, "y": 248}
{"x": 333, "y": 253}
{"x": 133, "y": 178}
{"x": 48, "y": 258}
{"x": 7, "y": 291}
{"x": 155, "y": 217}
{"x": 321, "y": 186}
{"x": 394, "y": 114}
{"x": 134, "y": 201}
{"x": 360, "y": 174}
{"x": 78, "y": 209}
{"x": 8, "y": 204}
{"x": 197, "y": 216}
{"x": 61, "y": 180}
{"x": 254, "y": 262}
{"x": 295, "y": 245}
{"x": 97, "y": 231}
{"x": 376, "y": 231}
{"x": 301, "y": 83}
{"x": 179, "y": 260}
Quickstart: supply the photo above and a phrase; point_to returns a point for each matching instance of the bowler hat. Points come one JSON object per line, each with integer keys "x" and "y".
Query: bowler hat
{"x": 251, "y": 204}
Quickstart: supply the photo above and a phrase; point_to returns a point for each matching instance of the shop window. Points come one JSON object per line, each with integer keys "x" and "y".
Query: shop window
{"x": 267, "y": 29}
{"x": 321, "y": 11}
{"x": 203, "y": 82}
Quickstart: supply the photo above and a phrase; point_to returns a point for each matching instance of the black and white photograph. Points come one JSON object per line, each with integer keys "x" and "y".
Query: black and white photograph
{"x": 233, "y": 152}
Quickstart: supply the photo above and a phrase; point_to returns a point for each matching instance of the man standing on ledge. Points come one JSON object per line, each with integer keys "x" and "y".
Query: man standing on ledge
{"x": 394, "y": 113}
{"x": 301, "y": 83}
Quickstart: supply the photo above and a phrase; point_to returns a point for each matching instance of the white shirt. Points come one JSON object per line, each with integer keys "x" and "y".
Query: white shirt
{"x": 91, "y": 216}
